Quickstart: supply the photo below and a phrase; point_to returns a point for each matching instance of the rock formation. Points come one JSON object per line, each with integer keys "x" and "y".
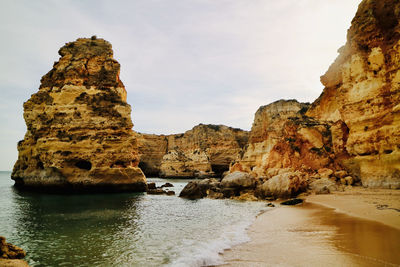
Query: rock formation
{"x": 362, "y": 96}
{"x": 152, "y": 149}
{"x": 204, "y": 151}
{"x": 350, "y": 134}
{"x": 11, "y": 255}
{"x": 79, "y": 129}
{"x": 282, "y": 138}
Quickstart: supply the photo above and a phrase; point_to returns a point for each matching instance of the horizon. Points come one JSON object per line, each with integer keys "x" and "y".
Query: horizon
{"x": 182, "y": 63}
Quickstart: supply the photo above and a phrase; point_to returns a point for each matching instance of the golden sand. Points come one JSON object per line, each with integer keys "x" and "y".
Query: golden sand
{"x": 357, "y": 227}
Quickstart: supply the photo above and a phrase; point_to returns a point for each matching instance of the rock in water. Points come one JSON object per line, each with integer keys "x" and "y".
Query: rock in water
{"x": 292, "y": 202}
{"x": 10, "y": 251}
{"x": 79, "y": 130}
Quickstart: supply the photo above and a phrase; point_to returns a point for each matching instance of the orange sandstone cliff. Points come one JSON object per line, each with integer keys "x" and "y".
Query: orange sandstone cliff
{"x": 79, "y": 129}
{"x": 362, "y": 96}
{"x": 351, "y": 133}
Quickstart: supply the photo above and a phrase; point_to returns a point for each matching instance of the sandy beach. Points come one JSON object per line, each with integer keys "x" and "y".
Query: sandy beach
{"x": 357, "y": 227}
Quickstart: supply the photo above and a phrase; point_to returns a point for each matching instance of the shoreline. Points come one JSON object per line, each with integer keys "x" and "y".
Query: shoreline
{"x": 379, "y": 205}
{"x": 356, "y": 227}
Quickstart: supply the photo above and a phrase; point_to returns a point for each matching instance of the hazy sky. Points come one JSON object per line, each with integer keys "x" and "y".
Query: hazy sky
{"x": 183, "y": 62}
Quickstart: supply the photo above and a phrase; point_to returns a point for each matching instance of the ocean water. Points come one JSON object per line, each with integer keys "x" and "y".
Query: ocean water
{"x": 129, "y": 229}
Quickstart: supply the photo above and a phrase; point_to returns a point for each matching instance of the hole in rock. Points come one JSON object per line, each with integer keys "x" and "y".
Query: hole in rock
{"x": 40, "y": 165}
{"x": 83, "y": 164}
{"x": 219, "y": 169}
{"x": 119, "y": 164}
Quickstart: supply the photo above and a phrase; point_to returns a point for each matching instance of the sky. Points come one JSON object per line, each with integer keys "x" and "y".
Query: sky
{"x": 183, "y": 62}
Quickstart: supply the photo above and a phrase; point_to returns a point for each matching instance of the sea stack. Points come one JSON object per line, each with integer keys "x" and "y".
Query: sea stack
{"x": 79, "y": 130}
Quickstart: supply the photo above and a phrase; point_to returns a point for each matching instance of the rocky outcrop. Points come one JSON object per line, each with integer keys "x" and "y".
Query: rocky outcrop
{"x": 79, "y": 129}
{"x": 351, "y": 133}
{"x": 362, "y": 96}
{"x": 282, "y": 138}
{"x": 204, "y": 151}
{"x": 237, "y": 185}
{"x": 152, "y": 149}
{"x": 10, "y": 251}
{"x": 11, "y": 255}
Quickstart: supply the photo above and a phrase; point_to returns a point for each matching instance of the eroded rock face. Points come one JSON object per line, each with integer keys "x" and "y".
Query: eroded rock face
{"x": 79, "y": 129}
{"x": 152, "y": 149}
{"x": 10, "y": 251}
{"x": 282, "y": 137}
{"x": 204, "y": 151}
{"x": 362, "y": 96}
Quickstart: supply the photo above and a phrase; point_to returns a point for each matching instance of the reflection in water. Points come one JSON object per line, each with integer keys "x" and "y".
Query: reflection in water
{"x": 364, "y": 239}
{"x": 82, "y": 228}
{"x": 122, "y": 229}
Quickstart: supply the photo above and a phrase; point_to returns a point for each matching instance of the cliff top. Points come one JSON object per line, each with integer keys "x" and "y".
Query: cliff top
{"x": 283, "y": 105}
{"x": 84, "y": 62}
{"x": 86, "y": 48}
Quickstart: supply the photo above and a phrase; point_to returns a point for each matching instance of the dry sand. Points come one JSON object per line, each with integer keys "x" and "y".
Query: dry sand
{"x": 358, "y": 227}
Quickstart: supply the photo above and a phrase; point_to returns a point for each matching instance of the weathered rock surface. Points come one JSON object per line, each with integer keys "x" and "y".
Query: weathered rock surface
{"x": 79, "y": 129}
{"x": 240, "y": 180}
{"x": 10, "y": 251}
{"x": 204, "y": 151}
{"x": 200, "y": 188}
{"x": 282, "y": 137}
{"x": 362, "y": 96}
{"x": 11, "y": 255}
{"x": 284, "y": 185}
{"x": 323, "y": 186}
{"x": 152, "y": 149}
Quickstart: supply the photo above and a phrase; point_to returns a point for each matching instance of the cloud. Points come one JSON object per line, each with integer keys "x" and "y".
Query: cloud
{"x": 182, "y": 62}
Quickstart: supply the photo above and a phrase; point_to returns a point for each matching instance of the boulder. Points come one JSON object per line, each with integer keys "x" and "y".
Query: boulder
{"x": 215, "y": 195}
{"x": 340, "y": 174}
{"x": 323, "y": 186}
{"x": 247, "y": 196}
{"x": 325, "y": 172}
{"x": 349, "y": 180}
{"x": 156, "y": 191}
{"x": 170, "y": 193}
{"x": 167, "y": 185}
{"x": 238, "y": 180}
{"x": 292, "y": 202}
{"x": 199, "y": 188}
{"x": 10, "y": 251}
{"x": 284, "y": 185}
{"x": 151, "y": 186}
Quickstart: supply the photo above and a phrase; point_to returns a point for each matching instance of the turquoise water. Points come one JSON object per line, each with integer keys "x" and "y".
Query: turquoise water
{"x": 130, "y": 229}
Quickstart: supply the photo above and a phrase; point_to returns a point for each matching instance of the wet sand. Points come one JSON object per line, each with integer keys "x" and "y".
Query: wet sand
{"x": 315, "y": 235}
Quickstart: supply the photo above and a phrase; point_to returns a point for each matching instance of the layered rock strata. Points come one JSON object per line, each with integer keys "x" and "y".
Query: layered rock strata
{"x": 204, "y": 151}
{"x": 362, "y": 96}
{"x": 283, "y": 139}
{"x": 79, "y": 129}
{"x": 349, "y": 135}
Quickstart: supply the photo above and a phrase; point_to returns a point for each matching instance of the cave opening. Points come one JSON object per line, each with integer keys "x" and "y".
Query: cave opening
{"x": 219, "y": 169}
{"x": 83, "y": 164}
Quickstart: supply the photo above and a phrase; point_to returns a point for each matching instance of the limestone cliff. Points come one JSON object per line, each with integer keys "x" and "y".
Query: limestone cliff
{"x": 362, "y": 96}
{"x": 282, "y": 137}
{"x": 152, "y": 149}
{"x": 79, "y": 129}
{"x": 204, "y": 151}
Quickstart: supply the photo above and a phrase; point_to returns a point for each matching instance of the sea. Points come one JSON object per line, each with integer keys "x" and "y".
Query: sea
{"x": 126, "y": 229}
